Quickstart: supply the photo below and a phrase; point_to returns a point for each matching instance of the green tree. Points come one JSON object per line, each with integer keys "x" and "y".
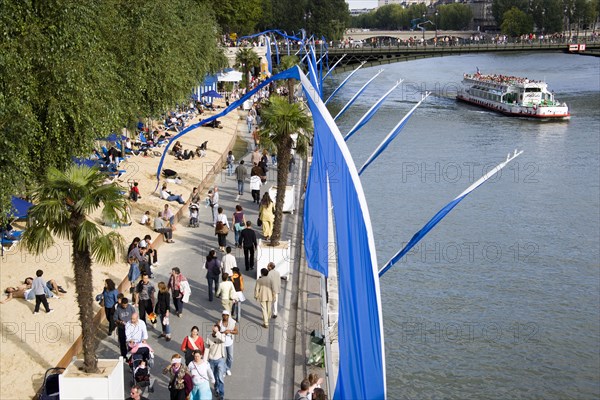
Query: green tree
{"x": 455, "y": 16}
{"x": 499, "y": 7}
{"x": 65, "y": 203}
{"x": 516, "y": 23}
{"x": 247, "y": 59}
{"x": 239, "y": 16}
{"x": 17, "y": 119}
{"x": 284, "y": 127}
{"x": 158, "y": 66}
{"x": 327, "y": 18}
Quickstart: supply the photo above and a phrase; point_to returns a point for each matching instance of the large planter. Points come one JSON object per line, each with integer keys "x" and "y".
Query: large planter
{"x": 289, "y": 200}
{"x": 108, "y": 383}
{"x": 279, "y": 254}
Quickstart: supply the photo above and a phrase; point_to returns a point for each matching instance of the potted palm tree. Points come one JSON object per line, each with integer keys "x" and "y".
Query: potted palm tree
{"x": 246, "y": 58}
{"x": 285, "y": 128}
{"x": 64, "y": 203}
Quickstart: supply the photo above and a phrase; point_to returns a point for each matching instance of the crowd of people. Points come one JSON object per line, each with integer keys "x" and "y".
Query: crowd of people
{"x": 200, "y": 370}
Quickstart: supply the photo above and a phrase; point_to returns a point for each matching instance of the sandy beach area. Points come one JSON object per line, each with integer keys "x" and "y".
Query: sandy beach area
{"x": 30, "y": 344}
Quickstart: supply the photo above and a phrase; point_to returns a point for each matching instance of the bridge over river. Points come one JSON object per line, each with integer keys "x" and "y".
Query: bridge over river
{"x": 373, "y": 56}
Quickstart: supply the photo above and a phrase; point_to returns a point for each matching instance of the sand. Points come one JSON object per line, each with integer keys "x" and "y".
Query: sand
{"x": 30, "y": 344}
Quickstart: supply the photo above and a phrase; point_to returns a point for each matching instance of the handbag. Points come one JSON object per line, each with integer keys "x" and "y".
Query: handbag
{"x": 238, "y": 227}
{"x": 259, "y": 222}
{"x": 221, "y": 228}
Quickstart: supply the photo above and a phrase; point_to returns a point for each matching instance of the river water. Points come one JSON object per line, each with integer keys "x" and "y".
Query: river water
{"x": 501, "y": 300}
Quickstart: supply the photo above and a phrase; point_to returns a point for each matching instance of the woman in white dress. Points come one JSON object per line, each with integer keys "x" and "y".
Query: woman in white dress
{"x": 202, "y": 378}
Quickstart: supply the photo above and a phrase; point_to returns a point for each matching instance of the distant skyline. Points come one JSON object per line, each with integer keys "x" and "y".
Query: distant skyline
{"x": 361, "y": 3}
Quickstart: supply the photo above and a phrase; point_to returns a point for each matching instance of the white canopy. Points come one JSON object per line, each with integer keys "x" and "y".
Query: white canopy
{"x": 230, "y": 76}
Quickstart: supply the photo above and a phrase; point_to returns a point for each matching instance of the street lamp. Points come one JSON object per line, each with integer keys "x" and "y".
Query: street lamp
{"x": 423, "y": 28}
{"x": 436, "y": 26}
{"x": 543, "y": 13}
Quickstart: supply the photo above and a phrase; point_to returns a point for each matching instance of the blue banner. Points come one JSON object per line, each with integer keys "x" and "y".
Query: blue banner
{"x": 369, "y": 114}
{"x": 361, "y": 372}
{"x": 353, "y": 99}
{"x": 391, "y": 136}
{"x": 442, "y": 213}
{"x": 344, "y": 82}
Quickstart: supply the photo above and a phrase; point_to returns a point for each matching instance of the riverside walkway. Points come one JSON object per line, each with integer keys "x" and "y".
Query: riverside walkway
{"x": 265, "y": 360}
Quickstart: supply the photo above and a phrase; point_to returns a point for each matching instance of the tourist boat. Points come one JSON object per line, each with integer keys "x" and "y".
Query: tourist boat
{"x": 513, "y": 96}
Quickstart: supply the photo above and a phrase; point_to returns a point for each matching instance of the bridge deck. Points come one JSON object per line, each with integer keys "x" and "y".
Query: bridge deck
{"x": 373, "y": 56}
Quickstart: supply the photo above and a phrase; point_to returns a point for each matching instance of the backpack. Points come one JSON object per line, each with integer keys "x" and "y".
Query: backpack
{"x": 213, "y": 268}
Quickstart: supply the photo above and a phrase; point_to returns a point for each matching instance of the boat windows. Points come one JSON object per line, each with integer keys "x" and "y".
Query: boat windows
{"x": 533, "y": 89}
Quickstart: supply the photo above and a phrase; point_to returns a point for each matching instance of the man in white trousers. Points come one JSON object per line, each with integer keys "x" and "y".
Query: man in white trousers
{"x": 275, "y": 278}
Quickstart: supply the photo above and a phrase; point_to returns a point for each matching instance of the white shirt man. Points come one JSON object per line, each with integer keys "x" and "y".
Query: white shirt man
{"x": 228, "y": 262}
{"x": 136, "y": 331}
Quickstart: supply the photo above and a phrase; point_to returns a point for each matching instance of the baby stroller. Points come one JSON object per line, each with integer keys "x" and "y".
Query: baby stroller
{"x": 140, "y": 363}
{"x": 194, "y": 212}
{"x": 50, "y": 387}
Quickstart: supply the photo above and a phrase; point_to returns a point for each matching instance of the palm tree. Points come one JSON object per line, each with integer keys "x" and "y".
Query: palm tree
{"x": 247, "y": 59}
{"x": 288, "y": 62}
{"x": 64, "y": 203}
{"x": 284, "y": 127}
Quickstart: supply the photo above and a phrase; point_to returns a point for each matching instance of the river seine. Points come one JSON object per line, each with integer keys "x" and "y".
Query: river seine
{"x": 502, "y": 299}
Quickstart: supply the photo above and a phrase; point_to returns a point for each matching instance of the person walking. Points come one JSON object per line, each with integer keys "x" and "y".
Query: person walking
{"x": 263, "y": 293}
{"x": 228, "y": 262}
{"x": 202, "y": 377}
{"x": 275, "y": 278}
{"x": 222, "y": 229}
{"x": 213, "y": 270}
{"x": 238, "y": 283}
{"x": 213, "y": 202}
{"x": 230, "y": 161}
{"x": 249, "y": 122}
{"x": 228, "y": 327}
{"x": 215, "y": 343}
{"x": 38, "y": 286}
{"x": 255, "y": 184}
{"x": 180, "y": 289}
{"x": 192, "y": 342}
{"x": 238, "y": 222}
{"x": 163, "y": 304}
{"x": 144, "y": 296}
{"x": 248, "y": 242}
{"x": 226, "y": 292}
{"x": 180, "y": 381}
{"x": 109, "y": 299}
{"x": 241, "y": 173}
{"x": 123, "y": 313}
{"x": 267, "y": 215}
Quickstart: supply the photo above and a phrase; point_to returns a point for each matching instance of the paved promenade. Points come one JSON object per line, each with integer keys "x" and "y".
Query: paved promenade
{"x": 263, "y": 366}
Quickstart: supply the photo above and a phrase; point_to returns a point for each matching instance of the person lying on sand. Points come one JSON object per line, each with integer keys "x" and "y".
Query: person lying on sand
{"x": 24, "y": 291}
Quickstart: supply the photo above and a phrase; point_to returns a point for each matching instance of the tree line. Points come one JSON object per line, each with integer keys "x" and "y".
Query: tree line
{"x": 514, "y": 17}
{"x": 518, "y": 17}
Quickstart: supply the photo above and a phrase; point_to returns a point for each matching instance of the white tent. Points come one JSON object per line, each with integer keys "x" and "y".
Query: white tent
{"x": 229, "y": 76}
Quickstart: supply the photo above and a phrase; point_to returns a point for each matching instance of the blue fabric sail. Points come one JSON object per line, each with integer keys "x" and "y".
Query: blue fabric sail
{"x": 353, "y": 99}
{"x": 391, "y": 136}
{"x": 361, "y": 372}
{"x": 334, "y": 65}
{"x": 369, "y": 114}
{"x": 289, "y": 73}
{"x": 341, "y": 85}
{"x": 442, "y": 213}
{"x": 268, "y": 55}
